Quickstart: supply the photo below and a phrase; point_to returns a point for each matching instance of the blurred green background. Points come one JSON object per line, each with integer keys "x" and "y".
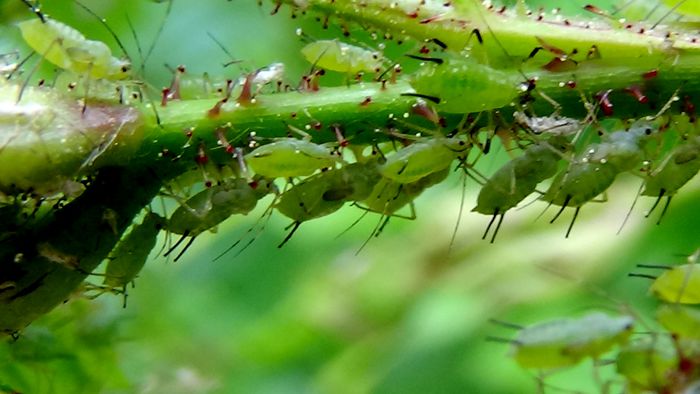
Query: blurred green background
{"x": 407, "y": 314}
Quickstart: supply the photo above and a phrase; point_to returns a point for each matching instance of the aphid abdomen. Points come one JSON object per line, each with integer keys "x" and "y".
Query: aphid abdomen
{"x": 129, "y": 256}
{"x": 305, "y": 201}
{"x": 681, "y": 285}
{"x": 516, "y": 180}
{"x": 648, "y": 363}
{"x": 464, "y": 86}
{"x": 68, "y": 49}
{"x": 580, "y": 183}
{"x": 338, "y": 56}
{"x": 417, "y": 161}
{"x": 679, "y": 169}
{"x": 290, "y": 158}
{"x": 212, "y": 206}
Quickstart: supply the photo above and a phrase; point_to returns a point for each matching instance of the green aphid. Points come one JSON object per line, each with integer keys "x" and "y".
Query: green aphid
{"x": 518, "y": 178}
{"x": 326, "y": 192}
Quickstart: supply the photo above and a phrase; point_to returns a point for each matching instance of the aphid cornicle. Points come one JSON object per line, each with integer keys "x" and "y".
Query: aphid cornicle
{"x": 68, "y": 49}
{"x": 565, "y": 342}
{"x": 422, "y": 158}
{"x": 339, "y": 56}
{"x": 326, "y": 192}
{"x": 518, "y": 178}
{"x": 290, "y": 157}
{"x": 208, "y": 208}
{"x": 681, "y": 165}
{"x": 127, "y": 259}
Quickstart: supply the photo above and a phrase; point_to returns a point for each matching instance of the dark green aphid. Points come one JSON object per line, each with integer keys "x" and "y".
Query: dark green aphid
{"x": 518, "y": 179}
{"x": 211, "y": 206}
{"x": 325, "y": 193}
{"x": 129, "y": 256}
{"x": 681, "y": 165}
{"x": 592, "y": 173}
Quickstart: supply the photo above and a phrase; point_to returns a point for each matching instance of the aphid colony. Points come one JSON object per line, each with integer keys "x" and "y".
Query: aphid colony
{"x": 664, "y": 358}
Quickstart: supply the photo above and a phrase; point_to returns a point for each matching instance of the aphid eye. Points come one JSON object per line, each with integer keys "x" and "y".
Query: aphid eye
{"x": 647, "y": 131}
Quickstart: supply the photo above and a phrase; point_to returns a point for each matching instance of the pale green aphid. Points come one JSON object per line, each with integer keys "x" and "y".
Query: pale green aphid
{"x": 518, "y": 178}
{"x": 339, "y": 56}
{"x": 683, "y": 321}
{"x": 129, "y": 256}
{"x": 681, "y": 165}
{"x": 422, "y": 158}
{"x": 326, "y": 192}
{"x": 647, "y": 363}
{"x": 462, "y": 85}
{"x": 208, "y": 208}
{"x": 290, "y": 157}
{"x": 68, "y": 49}
{"x": 596, "y": 168}
{"x": 679, "y": 284}
{"x": 565, "y": 342}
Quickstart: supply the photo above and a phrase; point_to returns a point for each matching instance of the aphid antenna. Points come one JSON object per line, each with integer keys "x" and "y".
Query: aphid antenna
{"x": 19, "y": 65}
{"x": 225, "y": 50}
{"x": 622, "y": 7}
{"x": 501, "y": 340}
{"x": 34, "y": 68}
{"x": 364, "y": 213}
{"x": 629, "y": 212}
{"x": 35, "y": 8}
{"x": 669, "y": 12}
{"x": 506, "y": 324}
{"x": 104, "y": 23}
{"x": 459, "y": 213}
{"x": 159, "y": 33}
{"x": 653, "y": 10}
